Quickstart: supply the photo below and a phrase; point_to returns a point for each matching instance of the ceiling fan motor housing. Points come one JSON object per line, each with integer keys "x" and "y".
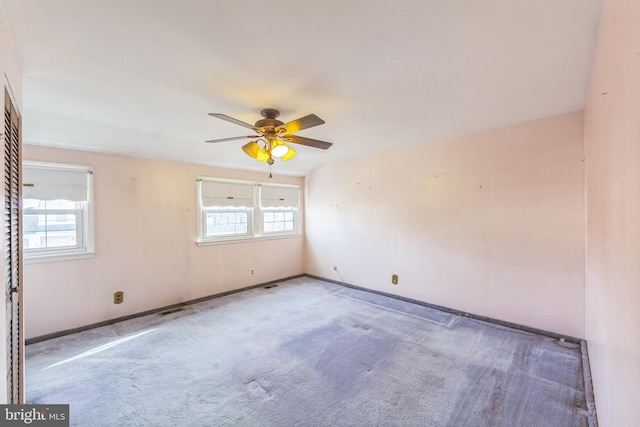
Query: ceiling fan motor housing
{"x": 269, "y": 120}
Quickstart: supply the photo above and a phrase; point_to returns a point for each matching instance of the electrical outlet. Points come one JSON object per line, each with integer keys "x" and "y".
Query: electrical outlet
{"x": 118, "y": 297}
{"x": 253, "y": 271}
{"x": 394, "y": 279}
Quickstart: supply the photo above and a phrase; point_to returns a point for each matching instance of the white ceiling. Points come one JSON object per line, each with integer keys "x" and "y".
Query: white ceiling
{"x": 138, "y": 77}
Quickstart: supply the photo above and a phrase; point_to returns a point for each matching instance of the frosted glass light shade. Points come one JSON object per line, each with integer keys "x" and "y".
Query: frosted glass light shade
{"x": 278, "y": 148}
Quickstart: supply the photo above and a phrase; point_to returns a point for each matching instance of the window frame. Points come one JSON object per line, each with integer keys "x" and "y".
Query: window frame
{"x": 255, "y": 220}
{"x": 84, "y": 247}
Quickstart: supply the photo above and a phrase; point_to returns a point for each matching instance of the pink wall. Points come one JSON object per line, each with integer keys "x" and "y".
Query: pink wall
{"x": 612, "y": 121}
{"x": 145, "y": 232}
{"x": 491, "y": 223}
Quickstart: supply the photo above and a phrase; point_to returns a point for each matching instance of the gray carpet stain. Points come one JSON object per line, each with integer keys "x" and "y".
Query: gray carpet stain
{"x": 341, "y": 354}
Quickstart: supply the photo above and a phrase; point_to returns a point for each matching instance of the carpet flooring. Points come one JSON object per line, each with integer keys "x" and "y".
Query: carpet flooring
{"x": 309, "y": 353}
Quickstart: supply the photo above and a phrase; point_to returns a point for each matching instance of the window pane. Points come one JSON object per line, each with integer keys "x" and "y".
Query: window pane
{"x": 227, "y": 223}
{"x": 41, "y": 231}
{"x": 278, "y": 221}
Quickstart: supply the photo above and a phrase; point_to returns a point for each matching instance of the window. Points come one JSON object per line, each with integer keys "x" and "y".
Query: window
{"x": 226, "y": 209}
{"x": 232, "y": 222}
{"x": 277, "y": 221}
{"x": 56, "y": 213}
{"x": 279, "y": 205}
{"x": 236, "y": 210}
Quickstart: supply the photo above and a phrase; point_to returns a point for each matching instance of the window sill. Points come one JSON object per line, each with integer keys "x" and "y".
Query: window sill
{"x": 36, "y": 259}
{"x": 247, "y": 239}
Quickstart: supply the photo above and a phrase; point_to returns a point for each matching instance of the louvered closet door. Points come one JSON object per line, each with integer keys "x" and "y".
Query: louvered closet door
{"x": 12, "y": 243}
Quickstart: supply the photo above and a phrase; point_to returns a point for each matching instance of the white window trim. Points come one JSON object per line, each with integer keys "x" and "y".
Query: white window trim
{"x": 88, "y": 248}
{"x": 256, "y": 232}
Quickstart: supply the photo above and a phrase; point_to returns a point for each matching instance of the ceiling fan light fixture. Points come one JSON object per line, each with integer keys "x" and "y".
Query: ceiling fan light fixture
{"x": 263, "y": 155}
{"x": 271, "y": 136}
{"x": 291, "y": 153}
{"x": 251, "y": 149}
{"x": 279, "y": 148}
{"x": 254, "y": 150}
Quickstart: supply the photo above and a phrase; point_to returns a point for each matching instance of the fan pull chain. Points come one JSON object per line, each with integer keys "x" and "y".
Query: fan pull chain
{"x": 270, "y": 160}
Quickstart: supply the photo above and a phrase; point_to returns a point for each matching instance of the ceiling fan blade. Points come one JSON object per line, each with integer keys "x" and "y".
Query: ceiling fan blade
{"x": 232, "y": 120}
{"x": 233, "y": 138}
{"x": 305, "y": 122}
{"x": 316, "y": 143}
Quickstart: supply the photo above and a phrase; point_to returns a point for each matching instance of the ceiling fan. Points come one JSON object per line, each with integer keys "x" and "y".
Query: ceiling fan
{"x": 272, "y": 135}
